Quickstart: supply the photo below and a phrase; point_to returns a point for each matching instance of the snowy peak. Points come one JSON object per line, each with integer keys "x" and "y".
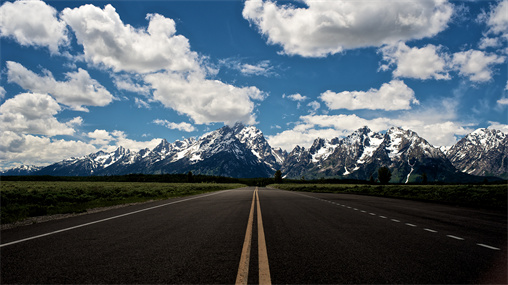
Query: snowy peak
{"x": 243, "y": 151}
{"x": 361, "y": 153}
{"x": 162, "y": 148}
{"x": 486, "y": 138}
{"x": 321, "y": 149}
{"x": 483, "y": 152}
{"x": 402, "y": 142}
{"x": 254, "y": 140}
{"x": 22, "y": 170}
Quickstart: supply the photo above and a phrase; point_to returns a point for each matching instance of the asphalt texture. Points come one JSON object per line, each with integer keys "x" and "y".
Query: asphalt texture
{"x": 311, "y": 238}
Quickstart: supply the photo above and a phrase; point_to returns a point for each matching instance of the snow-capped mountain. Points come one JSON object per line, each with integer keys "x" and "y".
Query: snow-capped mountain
{"x": 483, "y": 152}
{"x": 242, "y": 151}
{"x": 22, "y": 170}
{"x": 236, "y": 151}
{"x": 359, "y": 155}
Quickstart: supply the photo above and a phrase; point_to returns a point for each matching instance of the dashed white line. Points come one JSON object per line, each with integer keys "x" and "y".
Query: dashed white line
{"x": 411, "y": 225}
{"x": 455, "y": 237}
{"x": 488, "y": 246}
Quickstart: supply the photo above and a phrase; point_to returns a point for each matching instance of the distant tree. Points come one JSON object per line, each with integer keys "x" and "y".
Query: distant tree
{"x": 190, "y": 177}
{"x": 384, "y": 175}
{"x": 371, "y": 179}
{"x": 424, "y": 178}
{"x": 278, "y": 176}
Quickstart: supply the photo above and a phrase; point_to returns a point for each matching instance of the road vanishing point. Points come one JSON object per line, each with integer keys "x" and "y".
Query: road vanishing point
{"x": 261, "y": 236}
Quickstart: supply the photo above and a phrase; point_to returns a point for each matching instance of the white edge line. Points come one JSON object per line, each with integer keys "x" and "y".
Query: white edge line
{"x": 106, "y": 219}
{"x": 455, "y": 237}
{"x": 488, "y": 246}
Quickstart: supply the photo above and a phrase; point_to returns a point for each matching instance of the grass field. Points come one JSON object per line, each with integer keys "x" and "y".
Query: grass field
{"x": 23, "y": 199}
{"x": 484, "y": 196}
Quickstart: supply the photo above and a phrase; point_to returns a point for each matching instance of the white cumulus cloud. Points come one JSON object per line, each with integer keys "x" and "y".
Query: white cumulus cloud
{"x": 33, "y": 23}
{"x": 476, "y": 65}
{"x": 395, "y": 95}
{"x": 498, "y": 126}
{"x": 183, "y": 126}
{"x": 110, "y": 141}
{"x": 34, "y": 113}
{"x": 34, "y": 150}
{"x": 108, "y": 41}
{"x": 296, "y": 97}
{"x": 79, "y": 89}
{"x": 203, "y": 100}
{"x": 422, "y": 63}
{"x": 498, "y": 20}
{"x": 329, "y": 27}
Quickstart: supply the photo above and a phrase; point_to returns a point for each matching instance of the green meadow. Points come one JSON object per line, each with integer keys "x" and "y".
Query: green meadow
{"x": 22, "y": 199}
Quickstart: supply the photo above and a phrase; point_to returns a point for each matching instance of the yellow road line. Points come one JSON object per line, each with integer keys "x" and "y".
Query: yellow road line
{"x": 264, "y": 269}
{"x": 243, "y": 268}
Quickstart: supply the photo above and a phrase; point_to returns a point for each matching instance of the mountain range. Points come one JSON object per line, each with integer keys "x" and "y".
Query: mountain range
{"x": 242, "y": 151}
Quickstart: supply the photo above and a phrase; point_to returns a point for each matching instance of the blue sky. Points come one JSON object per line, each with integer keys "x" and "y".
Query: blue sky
{"x": 77, "y": 77}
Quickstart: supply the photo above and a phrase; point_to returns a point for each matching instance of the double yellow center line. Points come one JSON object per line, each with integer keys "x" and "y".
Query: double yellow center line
{"x": 243, "y": 268}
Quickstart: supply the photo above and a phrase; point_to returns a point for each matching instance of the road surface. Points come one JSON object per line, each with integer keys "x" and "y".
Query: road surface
{"x": 264, "y": 236}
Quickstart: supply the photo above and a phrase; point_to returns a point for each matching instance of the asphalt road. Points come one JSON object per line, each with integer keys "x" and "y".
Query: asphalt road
{"x": 310, "y": 238}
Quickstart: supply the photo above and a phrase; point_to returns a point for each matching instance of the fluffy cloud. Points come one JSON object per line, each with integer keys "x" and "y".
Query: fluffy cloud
{"x": 33, "y": 23}
{"x": 110, "y": 141}
{"x": 502, "y": 101}
{"x": 2, "y": 93}
{"x": 296, "y": 97}
{"x": 498, "y": 20}
{"x": 489, "y": 42}
{"x": 205, "y": 101}
{"x": 18, "y": 149}
{"x": 33, "y": 113}
{"x": 301, "y": 135}
{"x": 314, "y": 106}
{"x": 120, "y": 139}
{"x": 421, "y": 63}
{"x": 165, "y": 61}
{"x": 79, "y": 89}
{"x": 431, "y": 62}
{"x": 186, "y": 127}
{"x": 100, "y": 137}
{"x": 475, "y": 64}
{"x": 498, "y": 126}
{"x": 394, "y": 95}
{"x": 107, "y": 41}
{"x": 141, "y": 103}
{"x": 329, "y": 27}
{"x": 129, "y": 83}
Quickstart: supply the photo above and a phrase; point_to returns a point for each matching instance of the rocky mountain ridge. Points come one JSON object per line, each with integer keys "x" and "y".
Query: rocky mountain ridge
{"x": 243, "y": 151}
